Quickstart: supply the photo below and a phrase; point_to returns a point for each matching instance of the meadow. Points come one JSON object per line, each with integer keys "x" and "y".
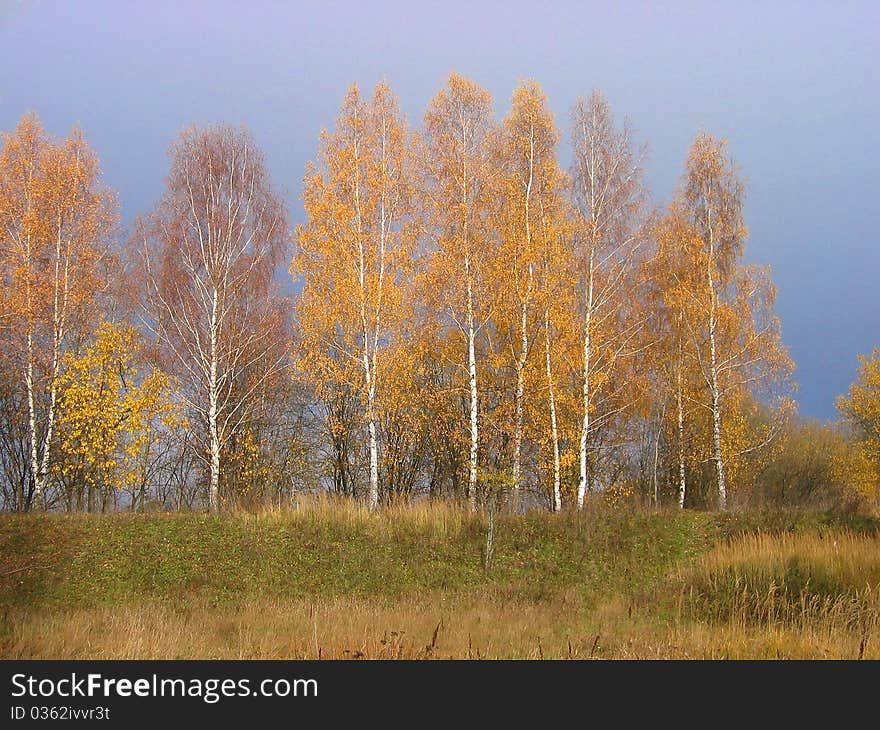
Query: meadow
{"x": 329, "y": 580}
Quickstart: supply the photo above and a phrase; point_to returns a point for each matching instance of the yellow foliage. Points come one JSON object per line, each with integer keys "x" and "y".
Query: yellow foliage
{"x": 861, "y": 409}
{"x": 861, "y": 406}
{"x": 107, "y": 417}
{"x": 619, "y": 494}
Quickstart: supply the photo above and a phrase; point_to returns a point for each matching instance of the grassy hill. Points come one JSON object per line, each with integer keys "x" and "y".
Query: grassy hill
{"x": 330, "y": 580}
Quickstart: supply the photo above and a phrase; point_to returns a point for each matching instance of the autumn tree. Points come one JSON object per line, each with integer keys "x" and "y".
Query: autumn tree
{"x": 608, "y": 195}
{"x": 111, "y": 419}
{"x": 556, "y": 270}
{"x": 672, "y": 279}
{"x": 528, "y": 190}
{"x": 860, "y": 409}
{"x": 458, "y": 125}
{"x": 558, "y": 323}
{"x": 354, "y": 254}
{"x": 734, "y": 330}
{"x": 714, "y": 195}
{"x": 15, "y": 483}
{"x": 56, "y": 218}
{"x": 208, "y": 252}
{"x": 861, "y": 405}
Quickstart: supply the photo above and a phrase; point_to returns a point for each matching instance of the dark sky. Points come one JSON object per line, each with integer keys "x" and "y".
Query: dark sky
{"x": 793, "y": 86}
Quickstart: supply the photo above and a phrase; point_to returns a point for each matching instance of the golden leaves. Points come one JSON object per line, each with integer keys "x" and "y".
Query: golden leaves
{"x": 56, "y": 218}
{"x": 860, "y": 408}
{"x": 108, "y": 415}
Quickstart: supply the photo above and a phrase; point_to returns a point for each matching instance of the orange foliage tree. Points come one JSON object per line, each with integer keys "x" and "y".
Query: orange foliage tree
{"x": 355, "y": 256}
{"x": 56, "y": 220}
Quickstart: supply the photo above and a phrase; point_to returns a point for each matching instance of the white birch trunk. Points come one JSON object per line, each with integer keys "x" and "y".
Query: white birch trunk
{"x": 29, "y": 386}
{"x": 471, "y": 337}
{"x": 370, "y": 387}
{"x": 213, "y": 425}
{"x": 585, "y": 424}
{"x": 29, "y": 378}
{"x": 520, "y": 394}
{"x": 554, "y": 430}
{"x": 524, "y": 342}
{"x": 680, "y": 408}
{"x": 32, "y": 422}
{"x": 716, "y": 394}
{"x": 374, "y": 461}
{"x": 716, "y": 428}
{"x": 472, "y": 381}
{"x": 50, "y": 432}
{"x": 40, "y": 451}
{"x": 368, "y": 353}
{"x": 372, "y": 371}
{"x": 59, "y": 312}
{"x": 656, "y": 459}
{"x": 214, "y": 487}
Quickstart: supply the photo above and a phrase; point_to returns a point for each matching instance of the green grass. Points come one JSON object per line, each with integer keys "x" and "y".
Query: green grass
{"x": 795, "y": 578}
{"x": 609, "y": 582}
{"x": 78, "y": 560}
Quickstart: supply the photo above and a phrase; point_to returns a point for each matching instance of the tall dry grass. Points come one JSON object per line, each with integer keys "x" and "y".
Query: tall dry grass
{"x": 409, "y": 628}
{"x": 435, "y": 517}
{"x": 809, "y": 584}
{"x": 428, "y": 628}
{"x": 812, "y": 594}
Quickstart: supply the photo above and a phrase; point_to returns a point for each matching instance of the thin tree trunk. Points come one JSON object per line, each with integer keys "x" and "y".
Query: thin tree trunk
{"x": 368, "y": 362}
{"x": 472, "y": 379}
{"x": 372, "y": 370}
{"x": 32, "y": 422}
{"x": 29, "y": 385}
{"x": 213, "y": 426}
{"x": 471, "y": 336}
{"x": 520, "y": 395}
{"x": 716, "y": 395}
{"x": 680, "y": 408}
{"x": 40, "y": 453}
{"x": 716, "y": 432}
{"x": 50, "y": 422}
{"x": 585, "y": 425}
{"x": 657, "y": 456}
{"x": 554, "y": 430}
{"x": 214, "y": 487}
{"x": 374, "y": 453}
{"x": 59, "y": 312}
{"x": 524, "y": 344}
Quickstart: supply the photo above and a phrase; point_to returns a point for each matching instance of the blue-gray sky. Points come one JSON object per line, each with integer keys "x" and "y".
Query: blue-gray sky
{"x": 792, "y": 86}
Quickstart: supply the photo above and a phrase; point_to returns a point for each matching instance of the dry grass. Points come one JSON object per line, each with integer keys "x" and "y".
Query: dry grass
{"x": 609, "y": 586}
{"x": 435, "y": 517}
{"x": 815, "y": 589}
{"x": 838, "y": 558}
{"x": 429, "y": 628}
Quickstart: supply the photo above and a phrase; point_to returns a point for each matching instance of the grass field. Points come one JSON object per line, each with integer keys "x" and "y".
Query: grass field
{"x": 331, "y": 581}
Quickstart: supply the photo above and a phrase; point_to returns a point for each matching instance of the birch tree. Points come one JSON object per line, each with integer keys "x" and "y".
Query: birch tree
{"x": 735, "y": 333}
{"x": 714, "y": 194}
{"x": 355, "y": 251}
{"x": 556, "y": 273}
{"x": 608, "y": 195}
{"x": 55, "y": 222}
{"x": 860, "y": 410}
{"x": 110, "y": 420}
{"x": 528, "y": 176}
{"x": 458, "y": 125}
{"x": 674, "y": 278}
{"x": 208, "y": 251}
{"x": 860, "y": 407}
